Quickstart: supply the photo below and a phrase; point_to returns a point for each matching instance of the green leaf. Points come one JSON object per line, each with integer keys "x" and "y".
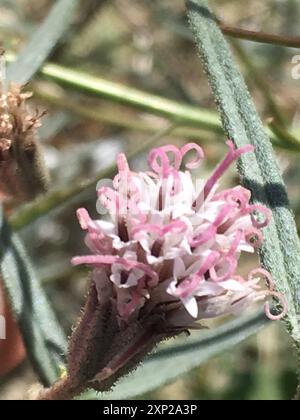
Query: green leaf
{"x": 44, "y": 339}
{"x": 43, "y": 41}
{"x": 280, "y": 253}
{"x": 176, "y": 359}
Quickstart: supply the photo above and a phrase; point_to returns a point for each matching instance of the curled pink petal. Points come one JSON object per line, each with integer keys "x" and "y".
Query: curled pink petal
{"x": 199, "y": 151}
{"x": 262, "y": 210}
{"x": 266, "y": 276}
{"x": 159, "y": 160}
{"x": 208, "y": 263}
{"x": 101, "y": 260}
{"x": 238, "y": 196}
{"x": 254, "y": 237}
{"x": 231, "y": 156}
{"x": 211, "y": 230}
{"x": 178, "y": 226}
{"x": 234, "y": 246}
{"x": 283, "y": 303}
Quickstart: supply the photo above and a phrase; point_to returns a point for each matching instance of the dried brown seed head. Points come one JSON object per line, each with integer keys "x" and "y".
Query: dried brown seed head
{"x": 22, "y": 170}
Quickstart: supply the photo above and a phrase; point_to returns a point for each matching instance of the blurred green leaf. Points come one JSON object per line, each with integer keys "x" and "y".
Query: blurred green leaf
{"x": 43, "y": 41}
{"x": 54, "y": 124}
{"x": 181, "y": 113}
{"x": 176, "y": 359}
{"x": 43, "y": 337}
{"x": 280, "y": 252}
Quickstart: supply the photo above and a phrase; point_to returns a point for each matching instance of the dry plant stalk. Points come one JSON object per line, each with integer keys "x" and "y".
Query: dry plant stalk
{"x": 23, "y": 174}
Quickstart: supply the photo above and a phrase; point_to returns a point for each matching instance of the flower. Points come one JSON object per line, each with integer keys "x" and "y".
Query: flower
{"x": 172, "y": 249}
{"x": 167, "y": 258}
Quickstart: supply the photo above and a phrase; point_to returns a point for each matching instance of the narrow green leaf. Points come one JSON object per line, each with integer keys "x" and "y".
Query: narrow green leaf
{"x": 174, "y": 360}
{"x": 280, "y": 253}
{"x": 42, "y": 42}
{"x": 44, "y": 340}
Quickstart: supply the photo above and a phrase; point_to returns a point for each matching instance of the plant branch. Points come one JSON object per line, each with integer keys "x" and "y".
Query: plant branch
{"x": 62, "y": 390}
{"x": 112, "y": 116}
{"x": 262, "y": 37}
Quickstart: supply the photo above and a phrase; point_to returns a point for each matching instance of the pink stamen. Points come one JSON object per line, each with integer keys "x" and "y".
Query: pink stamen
{"x": 102, "y": 260}
{"x": 262, "y": 210}
{"x": 282, "y": 301}
{"x": 256, "y": 235}
{"x": 232, "y": 265}
{"x": 272, "y": 293}
{"x": 211, "y": 231}
{"x": 164, "y": 166}
{"x": 176, "y": 226}
{"x": 199, "y": 151}
{"x": 122, "y": 163}
{"x": 266, "y": 275}
{"x": 238, "y": 196}
{"x": 188, "y": 286}
{"x": 109, "y": 198}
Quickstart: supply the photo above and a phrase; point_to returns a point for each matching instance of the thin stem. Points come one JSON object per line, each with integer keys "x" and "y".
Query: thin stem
{"x": 121, "y": 94}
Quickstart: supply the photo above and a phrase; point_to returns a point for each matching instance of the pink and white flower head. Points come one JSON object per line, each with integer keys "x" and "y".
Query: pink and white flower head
{"x": 173, "y": 249}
